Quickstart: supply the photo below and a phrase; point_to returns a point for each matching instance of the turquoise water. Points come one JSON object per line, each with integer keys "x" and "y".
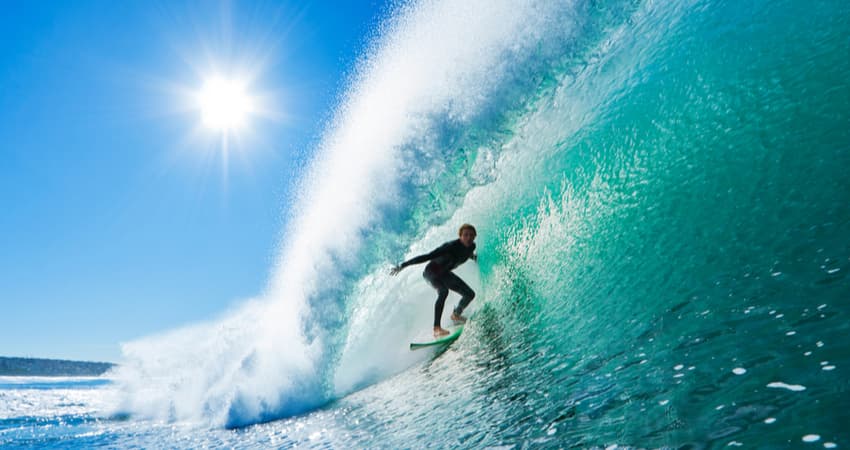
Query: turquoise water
{"x": 661, "y": 195}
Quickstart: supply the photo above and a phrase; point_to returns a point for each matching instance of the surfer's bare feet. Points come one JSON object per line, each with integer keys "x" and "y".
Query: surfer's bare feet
{"x": 440, "y": 331}
{"x": 457, "y": 318}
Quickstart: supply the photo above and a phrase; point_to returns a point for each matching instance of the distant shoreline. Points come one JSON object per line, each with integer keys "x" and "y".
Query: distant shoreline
{"x": 40, "y": 367}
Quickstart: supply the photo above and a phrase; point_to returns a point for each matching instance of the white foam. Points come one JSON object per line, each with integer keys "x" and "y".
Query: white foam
{"x": 201, "y": 371}
{"x": 790, "y": 387}
{"x": 415, "y": 72}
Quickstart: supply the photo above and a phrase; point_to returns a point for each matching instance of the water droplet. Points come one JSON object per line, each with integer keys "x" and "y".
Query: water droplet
{"x": 811, "y": 438}
{"x": 739, "y": 371}
{"x": 770, "y": 420}
{"x": 790, "y": 387}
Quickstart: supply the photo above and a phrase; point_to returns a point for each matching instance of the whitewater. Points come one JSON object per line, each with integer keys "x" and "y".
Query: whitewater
{"x": 661, "y": 196}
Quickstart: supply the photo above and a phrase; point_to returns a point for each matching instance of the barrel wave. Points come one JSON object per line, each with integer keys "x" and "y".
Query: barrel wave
{"x": 661, "y": 196}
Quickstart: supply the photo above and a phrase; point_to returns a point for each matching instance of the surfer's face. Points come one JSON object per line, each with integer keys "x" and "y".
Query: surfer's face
{"x": 467, "y": 237}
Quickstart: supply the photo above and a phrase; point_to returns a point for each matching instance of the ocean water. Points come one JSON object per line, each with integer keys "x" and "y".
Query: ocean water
{"x": 661, "y": 195}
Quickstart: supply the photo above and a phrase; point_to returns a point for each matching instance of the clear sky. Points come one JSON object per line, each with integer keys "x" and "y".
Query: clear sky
{"x": 122, "y": 214}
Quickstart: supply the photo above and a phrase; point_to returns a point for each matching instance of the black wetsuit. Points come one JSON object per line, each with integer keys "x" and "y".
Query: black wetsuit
{"x": 438, "y": 272}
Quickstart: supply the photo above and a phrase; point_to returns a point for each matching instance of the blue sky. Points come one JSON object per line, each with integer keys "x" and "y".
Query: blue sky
{"x": 121, "y": 215}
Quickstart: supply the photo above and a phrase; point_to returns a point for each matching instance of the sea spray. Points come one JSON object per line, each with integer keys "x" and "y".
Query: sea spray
{"x": 394, "y": 140}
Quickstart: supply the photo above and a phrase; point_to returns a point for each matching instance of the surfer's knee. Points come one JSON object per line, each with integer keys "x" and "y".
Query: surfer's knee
{"x": 442, "y": 293}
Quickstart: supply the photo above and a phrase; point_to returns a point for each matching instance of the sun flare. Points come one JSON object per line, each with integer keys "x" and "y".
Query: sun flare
{"x": 225, "y": 105}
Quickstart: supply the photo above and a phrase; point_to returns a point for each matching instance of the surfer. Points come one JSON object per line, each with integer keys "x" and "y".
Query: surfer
{"x": 438, "y": 272}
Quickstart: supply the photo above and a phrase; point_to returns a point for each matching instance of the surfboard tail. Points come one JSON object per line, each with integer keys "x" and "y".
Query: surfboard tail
{"x": 442, "y": 341}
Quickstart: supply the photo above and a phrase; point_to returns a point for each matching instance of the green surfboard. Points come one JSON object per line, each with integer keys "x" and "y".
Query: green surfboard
{"x": 442, "y": 341}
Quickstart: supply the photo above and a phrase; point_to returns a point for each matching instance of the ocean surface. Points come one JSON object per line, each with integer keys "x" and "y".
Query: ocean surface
{"x": 662, "y": 197}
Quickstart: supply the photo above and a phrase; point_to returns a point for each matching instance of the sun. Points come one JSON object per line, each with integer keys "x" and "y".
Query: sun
{"x": 225, "y": 104}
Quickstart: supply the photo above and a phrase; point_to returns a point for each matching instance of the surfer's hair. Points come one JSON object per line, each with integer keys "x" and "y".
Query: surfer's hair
{"x": 469, "y": 227}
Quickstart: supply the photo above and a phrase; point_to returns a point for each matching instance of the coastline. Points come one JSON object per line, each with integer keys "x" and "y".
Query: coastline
{"x": 42, "y": 367}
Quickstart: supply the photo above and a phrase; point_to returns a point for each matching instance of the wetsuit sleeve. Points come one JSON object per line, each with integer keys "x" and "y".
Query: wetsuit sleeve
{"x": 441, "y": 250}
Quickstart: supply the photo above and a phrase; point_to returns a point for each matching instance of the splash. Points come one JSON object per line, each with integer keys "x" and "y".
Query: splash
{"x": 392, "y": 137}
{"x": 662, "y": 231}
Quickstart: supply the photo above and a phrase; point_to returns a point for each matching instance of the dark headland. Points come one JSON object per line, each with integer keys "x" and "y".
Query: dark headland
{"x": 37, "y": 367}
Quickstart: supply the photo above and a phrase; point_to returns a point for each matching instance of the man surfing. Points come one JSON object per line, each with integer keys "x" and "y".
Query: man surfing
{"x": 438, "y": 272}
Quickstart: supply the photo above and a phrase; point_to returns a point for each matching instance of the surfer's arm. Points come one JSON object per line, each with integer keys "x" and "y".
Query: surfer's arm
{"x": 420, "y": 259}
{"x": 417, "y": 260}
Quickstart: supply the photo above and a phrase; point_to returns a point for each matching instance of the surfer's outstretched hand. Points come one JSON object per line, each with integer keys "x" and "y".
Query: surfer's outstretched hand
{"x": 395, "y": 270}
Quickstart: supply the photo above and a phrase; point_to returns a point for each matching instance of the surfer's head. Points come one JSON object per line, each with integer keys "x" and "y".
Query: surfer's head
{"x": 467, "y": 234}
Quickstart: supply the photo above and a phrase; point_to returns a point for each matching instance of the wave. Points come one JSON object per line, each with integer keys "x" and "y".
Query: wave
{"x": 627, "y": 165}
{"x": 386, "y": 176}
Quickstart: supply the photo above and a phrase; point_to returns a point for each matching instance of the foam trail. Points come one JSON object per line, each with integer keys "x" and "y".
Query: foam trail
{"x": 437, "y": 63}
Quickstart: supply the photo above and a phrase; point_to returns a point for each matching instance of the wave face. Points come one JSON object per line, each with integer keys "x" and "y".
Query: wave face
{"x": 660, "y": 191}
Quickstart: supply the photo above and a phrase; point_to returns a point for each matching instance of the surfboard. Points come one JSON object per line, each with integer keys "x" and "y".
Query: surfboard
{"x": 442, "y": 341}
